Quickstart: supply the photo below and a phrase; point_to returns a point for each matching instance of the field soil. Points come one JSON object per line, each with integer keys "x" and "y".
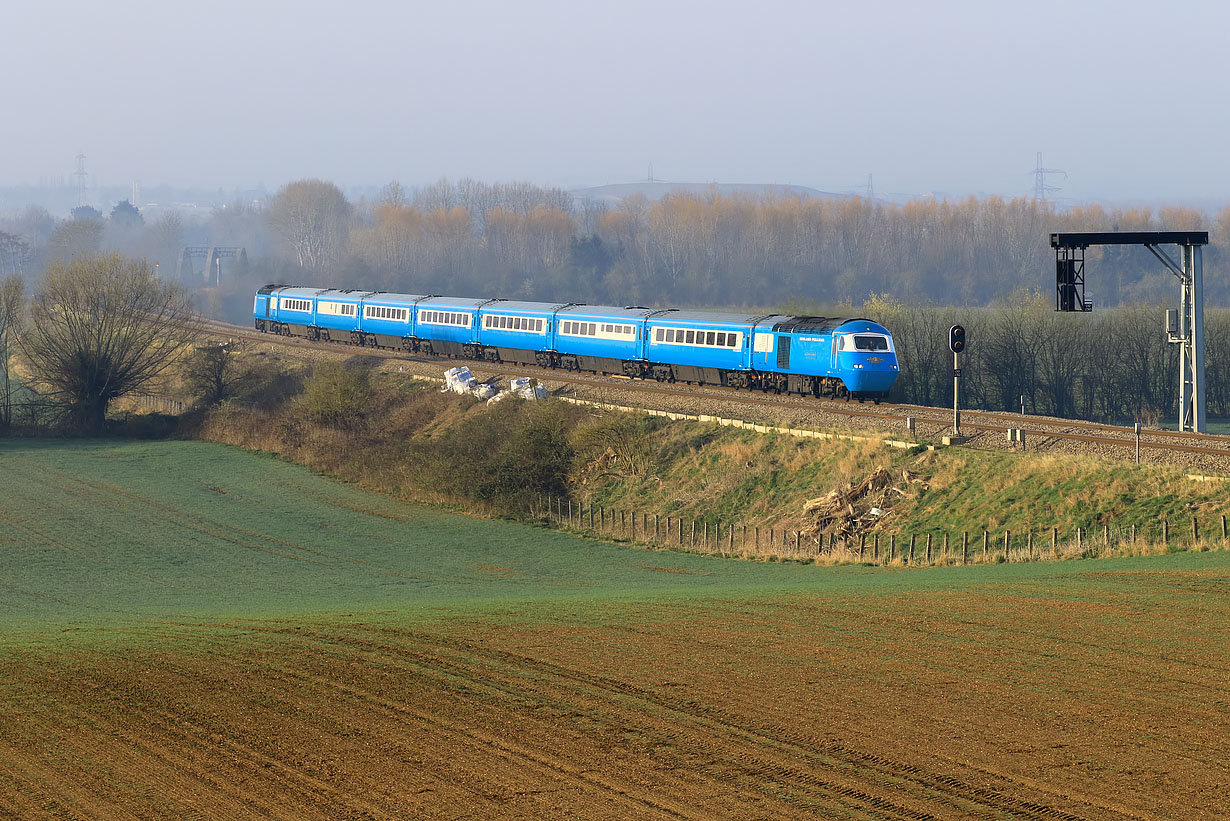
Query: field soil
{"x": 527, "y": 674}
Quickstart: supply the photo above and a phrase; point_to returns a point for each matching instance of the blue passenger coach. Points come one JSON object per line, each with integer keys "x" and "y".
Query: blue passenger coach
{"x": 837, "y": 356}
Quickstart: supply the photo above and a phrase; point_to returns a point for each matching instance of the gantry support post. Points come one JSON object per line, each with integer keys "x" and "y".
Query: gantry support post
{"x": 1191, "y": 402}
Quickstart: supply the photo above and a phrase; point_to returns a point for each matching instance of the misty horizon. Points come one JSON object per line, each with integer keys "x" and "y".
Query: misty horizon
{"x": 947, "y": 101}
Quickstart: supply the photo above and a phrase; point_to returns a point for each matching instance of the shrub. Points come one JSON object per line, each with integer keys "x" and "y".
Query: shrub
{"x": 338, "y": 396}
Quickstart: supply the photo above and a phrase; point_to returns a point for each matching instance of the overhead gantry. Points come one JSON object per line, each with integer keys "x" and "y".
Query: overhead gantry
{"x": 1184, "y": 327}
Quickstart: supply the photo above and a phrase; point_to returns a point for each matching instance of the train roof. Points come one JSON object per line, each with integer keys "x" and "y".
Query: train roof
{"x": 381, "y": 295}
{"x": 709, "y": 317}
{"x": 627, "y": 312}
{"x": 778, "y": 323}
{"x": 521, "y": 305}
{"x": 805, "y": 324}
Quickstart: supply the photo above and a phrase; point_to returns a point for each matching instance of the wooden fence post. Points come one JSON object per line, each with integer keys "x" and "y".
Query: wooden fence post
{"x": 570, "y": 513}
{"x": 946, "y": 551}
{"x": 657, "y": 527}
{"x": 1080, "y": 546}
{"x": 1195, "y": 534}
{"x": 693, "y": 533}
{"x": 731, "y": 542}
{"x": 757, "y": 530}
{"x": 1165, "y": 531}
{"x": 1223, "y": 528}
{"x": 928, "y": 548}
{"x": 743, "y": 539}
{"x": 1055, "y": 542}
{"x": 911, "y": 558}
{"x": 964, "y": 547}
{"x": 1106, "y": 537}
{"x": 1007, "y": 543}
{"x": 1029, "y": 543}
{"x": 986, "y": 538}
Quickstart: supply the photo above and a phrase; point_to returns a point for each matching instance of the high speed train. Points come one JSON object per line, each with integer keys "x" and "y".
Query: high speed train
{"x": 835, "y": 356}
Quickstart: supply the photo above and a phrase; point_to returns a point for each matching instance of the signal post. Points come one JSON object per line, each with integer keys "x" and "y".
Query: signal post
{"x": 956, "y": 344}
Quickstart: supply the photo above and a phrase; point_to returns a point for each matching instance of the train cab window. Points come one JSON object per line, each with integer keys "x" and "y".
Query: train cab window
{"x": 870, "y": 343}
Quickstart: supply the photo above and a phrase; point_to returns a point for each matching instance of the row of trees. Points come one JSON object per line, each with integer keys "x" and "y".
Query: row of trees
{"x": 525, "y": 241}
{"x": 687, "y": 249}
{"x": 1111, "y": 365}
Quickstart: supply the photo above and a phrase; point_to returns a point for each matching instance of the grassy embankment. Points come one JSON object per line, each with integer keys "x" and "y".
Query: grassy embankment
{"x": 408, "y": 440}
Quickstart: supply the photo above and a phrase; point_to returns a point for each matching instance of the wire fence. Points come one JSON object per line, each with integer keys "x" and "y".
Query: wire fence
{"x": 879, "y": 547}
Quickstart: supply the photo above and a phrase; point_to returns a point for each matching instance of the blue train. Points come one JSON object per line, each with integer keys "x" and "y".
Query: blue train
{"x": 854, "y": 358}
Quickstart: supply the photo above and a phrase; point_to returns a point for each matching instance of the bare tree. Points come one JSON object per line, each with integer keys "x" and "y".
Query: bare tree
{"x": 101, "y": 328}
{"x": 14, "y": 253}
{"x": 313, "y": 218}
{"x": 12, "y": 297}
{"x": 213, "y": 372}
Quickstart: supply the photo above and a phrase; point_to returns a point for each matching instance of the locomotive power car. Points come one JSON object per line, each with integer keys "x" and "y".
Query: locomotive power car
{"x": 810, "y": 355}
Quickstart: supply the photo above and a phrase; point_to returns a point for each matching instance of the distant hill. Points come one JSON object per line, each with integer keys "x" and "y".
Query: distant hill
{"x": 657, "y": 190}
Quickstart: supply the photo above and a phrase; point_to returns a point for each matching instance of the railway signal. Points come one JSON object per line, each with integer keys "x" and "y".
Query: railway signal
{"x": 956, "y": 343}
{"x": 956, "y": 339}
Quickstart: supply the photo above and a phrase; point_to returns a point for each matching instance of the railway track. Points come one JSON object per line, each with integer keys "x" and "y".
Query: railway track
{"x": 929, "y": 422}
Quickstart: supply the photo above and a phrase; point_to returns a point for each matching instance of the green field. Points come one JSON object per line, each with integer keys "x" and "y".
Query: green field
{"x": 106, "y": 533}
{"x": 191, "y": 630}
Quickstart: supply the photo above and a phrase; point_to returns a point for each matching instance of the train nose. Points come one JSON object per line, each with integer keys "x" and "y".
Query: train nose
{"x": 874, "y": 373}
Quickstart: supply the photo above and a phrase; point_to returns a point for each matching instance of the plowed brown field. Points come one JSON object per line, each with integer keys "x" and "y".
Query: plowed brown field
{"x": 1107, "y": 699}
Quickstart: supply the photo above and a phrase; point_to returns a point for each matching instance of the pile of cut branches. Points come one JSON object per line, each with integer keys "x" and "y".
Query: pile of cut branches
{"x": 856, "y": 508}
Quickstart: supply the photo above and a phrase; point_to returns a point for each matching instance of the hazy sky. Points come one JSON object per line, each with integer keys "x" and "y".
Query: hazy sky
{"x": 1127, "y": 97}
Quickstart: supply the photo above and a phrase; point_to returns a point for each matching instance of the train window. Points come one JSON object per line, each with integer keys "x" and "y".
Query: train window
{"x": 732, "y": 340}
{"x": 690, "y": 337}
{"x": 721, "y": 340}
{"x": 670, "y": 334}
{"x": 870, "y": 343}
{"x": 593, "y": 329}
